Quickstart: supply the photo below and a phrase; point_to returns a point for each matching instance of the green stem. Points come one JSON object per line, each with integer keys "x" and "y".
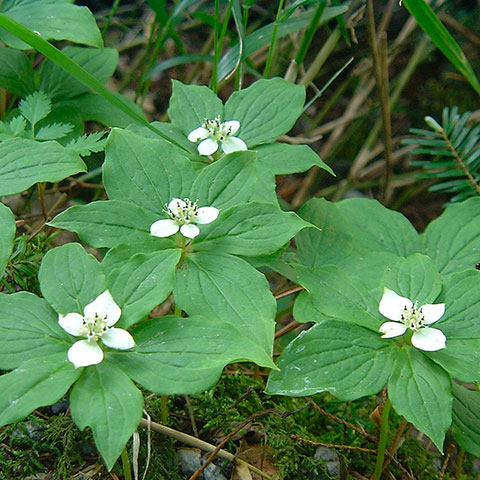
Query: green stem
{"x": 273, "y": 42}
{"x": 109, "y": 19}
{"x": 127, "y": 473}
{"x": 164, "y": 409}
{"x": 309, "y": 33}
{"x": 382, "y": 444}
{"x": 216, "y": 41}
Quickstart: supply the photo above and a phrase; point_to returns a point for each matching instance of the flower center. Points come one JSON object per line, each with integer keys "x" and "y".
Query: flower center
{"x": 413, "y": 318}
{"x": 183, "y": 214}
{"x": 217, "y": 130}
{"x": 94, "y": 328}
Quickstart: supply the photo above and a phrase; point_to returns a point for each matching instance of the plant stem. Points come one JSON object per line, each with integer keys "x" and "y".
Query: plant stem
{"x": 41, "y": 197}
{"x": 273, "y": 42}
{"x": 382, "y": 444}
{"x": 458, "y": 470}
{"x": 126, "y": 465}
{"x": 216, "y": 41}
{"x": 164, "y": 409}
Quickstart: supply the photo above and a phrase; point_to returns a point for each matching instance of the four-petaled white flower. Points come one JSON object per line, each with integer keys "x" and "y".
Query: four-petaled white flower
{"x": 213, "y": 131}
{"x": 183, "y": 215}
{"x": 95, "y": 323}
{"x": 407, "y": 316}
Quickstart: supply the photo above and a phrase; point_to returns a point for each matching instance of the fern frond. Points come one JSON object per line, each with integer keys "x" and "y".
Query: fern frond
{"x": 455, "y": 148}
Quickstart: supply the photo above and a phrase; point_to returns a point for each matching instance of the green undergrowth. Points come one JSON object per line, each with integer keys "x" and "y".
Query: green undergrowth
{"x": 52, "y": 443}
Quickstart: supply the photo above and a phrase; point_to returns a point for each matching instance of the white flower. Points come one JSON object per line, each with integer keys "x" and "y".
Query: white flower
{"x": 183, "y": 214}
{"x": 407, "y": 315}
{"x": 95, "y": 323}
{"x": 213, "y": 131}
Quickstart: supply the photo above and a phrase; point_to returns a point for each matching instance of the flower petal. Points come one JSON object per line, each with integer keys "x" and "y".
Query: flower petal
{"x": 392, "y": 305}
{"x": 206, "y": 215}
{"x": 190, "y": 230}
{"x": 175, "y": 204}
{"x": 72, "y": 323}
{"x": 208, "y": 146}
{"x": 118, "y": 338}
{"x": 392, "y": 329}
{"x": 429, "y": 339}
{"x": 104, "y": 306}
{"x": 198, "y": 134}
{"x": 164, "y": 228}
{"x": 84, "y": 353}
{"x": 432, "y": 312}
{"x": 232, "y": 125}
{"x": 233, "y": 144}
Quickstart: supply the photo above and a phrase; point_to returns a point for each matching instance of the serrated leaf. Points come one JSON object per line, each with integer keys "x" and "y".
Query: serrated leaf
{"x": 70, "y": 278}
{"x": 148, "y": 173}
{"x": 183, "y": 355}
{"x": 414, "y": 277}
{"x": 36, "y": 383}
{"x": 87, "y": 144}
{"x": 28, "y": 329}
{"x": 266, "y": 109}
{"x": 7, "y": 235}
{"x": 229, "y": 289}
{"x": 52, "y": 19}
{"x": 420, "y": 391}
{"x": 107, "y": 223}
{"x": 250, "y": 229}
{"x": 191, "y": 105}
{"x": 35, "y": 107}
{"x": 452, "y": 240}
{"x": 17, "y": 126}
{"x": 466, "y": 419}
{"x": 346, "y": 360}
{"x": 53, "y": 131}
{"x": 140, "y": 282}
{"x": 24, "y": 162}
{"x": 107, "y": 401}
{"x": 227, "y": 182}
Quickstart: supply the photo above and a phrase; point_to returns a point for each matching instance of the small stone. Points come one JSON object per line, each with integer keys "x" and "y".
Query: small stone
{"x": 331, "y": 459}
{"x": 189, "y": 461}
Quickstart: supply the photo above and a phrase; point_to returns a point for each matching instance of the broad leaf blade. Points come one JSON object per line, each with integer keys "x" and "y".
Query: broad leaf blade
{"x": 107, "y": 401}
{"x": 346, "y": 360}
{"x": 7, "y": 235}
{"x": 37, "y": 383}
{"x": 466, "y": 419}
{"x": 16, "y": 72}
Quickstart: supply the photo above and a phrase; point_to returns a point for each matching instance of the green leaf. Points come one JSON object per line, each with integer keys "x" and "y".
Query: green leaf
{"x": 35, "y": 107}
{"x": 440, "y": 36}
{"x": 227, "y": 182}
{"x": 183, "y": 355}
{"x": 304, "y": 310}
{"x": 390, "y": 231}
{"x": 331, "y": 241}
{"x": 466, "y": 419}
{"x": 53, "y": 131}
{"x": 265, "y": 186}
{"x": 37, "y": 383}
{"x": 452, "y": 239}
{"x": 59, "y": 84}
{"x": 459, "y": 323}
{"x": 414, "y": 277}
{"x": 285, "y": 159}
{"x": 346, "y": 360}
{"x": 140, "y": 282}
{"x": 420, "y": 391}
{"x": 267, "y": 109}
{"x": 28, "y": 329}
{"x": 148, "y": 173}
{"x": 52, "y": 19}
{"x": 262, "y": 36}
{"x": 107, "y": 223}
{"x": 25, "y": 162}
{"x": 7, "y": 235}
{"x": 229, "y": 289}
{"x": 70, "y": 278}
{"x": 191, "y": 105}
{"x": 337, "y": 294}
{"x": 16, "y": 72}
{"x": 250, "y": 229}
{"x": 87, "y": 144}
{"x": 107, "y": 401}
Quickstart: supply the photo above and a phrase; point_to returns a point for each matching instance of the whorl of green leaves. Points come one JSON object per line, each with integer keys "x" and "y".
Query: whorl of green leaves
{"x": 455, "y": 148}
